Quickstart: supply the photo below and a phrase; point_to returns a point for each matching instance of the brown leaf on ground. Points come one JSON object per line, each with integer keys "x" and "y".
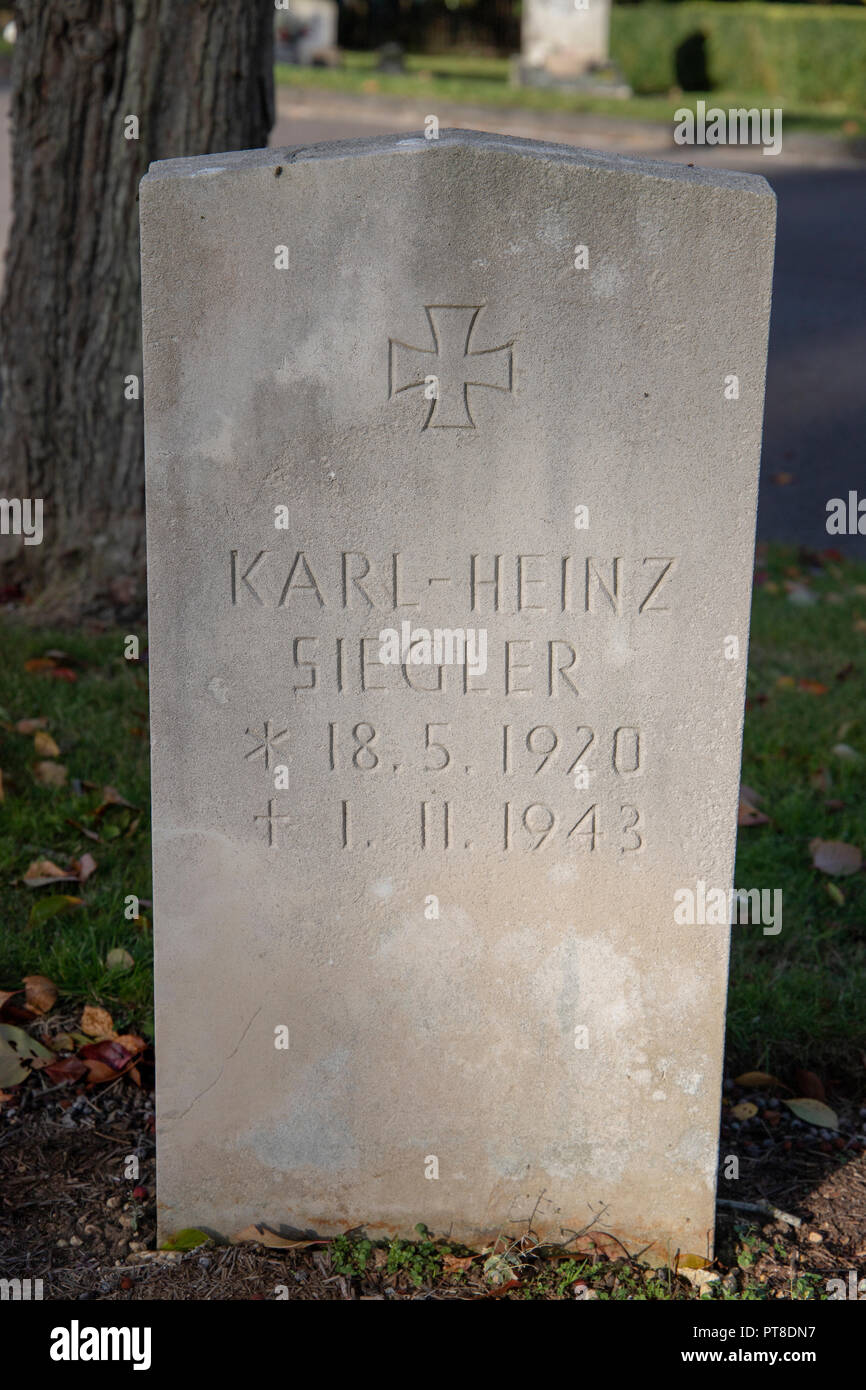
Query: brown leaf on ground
{"x": 96, "y": 1022}
{"x": 84, "y": 867}
{"x": 49, "y": 774}
{"x": 29, "y": 726}
{"x": 98, "y": 1071}
{"x": 750, "y": 794}
{"x": 132, "y": 1042}
{"x": 43, "y": 871}
{"x": 835, "y": 856}
{"x": 813, "y": 687}
{"x": 66, "y": 1069}
{"x": 39, "y": 663}
{"x": 111, "y": 797}
{"x": 108, "y": 1051}
{"x": 262, "y": 1236}
{"x": 747, "y": 814}
{"x": 453, "y": 1264}
{"x": 759, "y": 1080}
{"x": 40, "y": 993}
{"x": 44, "y": 745}
{"x": 810, "y": 1085}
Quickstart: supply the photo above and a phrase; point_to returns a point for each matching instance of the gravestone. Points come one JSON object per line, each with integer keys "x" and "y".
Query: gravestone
{"x": 564, "y": 43}
{"x": 452, "y": 458}
{"x": 307, "y": 30}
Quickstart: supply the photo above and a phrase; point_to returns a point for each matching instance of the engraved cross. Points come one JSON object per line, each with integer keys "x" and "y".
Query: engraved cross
{"x": 455, "y": 366}
{"x": 272, "y": 818}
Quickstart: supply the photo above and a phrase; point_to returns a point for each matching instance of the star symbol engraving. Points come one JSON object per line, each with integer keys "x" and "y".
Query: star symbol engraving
{"x": 268, "y": 741}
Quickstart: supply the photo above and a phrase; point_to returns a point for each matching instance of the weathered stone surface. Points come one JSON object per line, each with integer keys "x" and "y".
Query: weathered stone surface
{"x": 553, "y": 1038}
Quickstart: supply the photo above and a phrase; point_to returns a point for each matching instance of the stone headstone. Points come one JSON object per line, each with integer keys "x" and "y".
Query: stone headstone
{"x": 452, "y": 459}
{"x": 307, "y": 32}
{"x": 565, "y": 44}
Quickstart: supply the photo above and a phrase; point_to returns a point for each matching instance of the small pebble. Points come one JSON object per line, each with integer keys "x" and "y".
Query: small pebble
{"x": 815, "y": 1237}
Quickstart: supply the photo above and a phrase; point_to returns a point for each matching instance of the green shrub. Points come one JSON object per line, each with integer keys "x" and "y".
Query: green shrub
{"x": 794, "y": 53}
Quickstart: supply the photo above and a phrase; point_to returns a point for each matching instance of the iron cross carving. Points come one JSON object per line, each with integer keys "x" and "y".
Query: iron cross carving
{"x": 454, "y": 366}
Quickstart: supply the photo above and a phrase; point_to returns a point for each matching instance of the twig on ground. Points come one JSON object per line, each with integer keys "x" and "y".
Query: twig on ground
{"x": 763, "y": 1209}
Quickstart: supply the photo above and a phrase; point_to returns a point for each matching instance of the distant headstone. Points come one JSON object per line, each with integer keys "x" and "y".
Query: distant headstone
{"x": 392, "y": 58}
{"x": 307, "y": 32}
{"x": 452, "y": 463}
{"x": 564, "y": 43}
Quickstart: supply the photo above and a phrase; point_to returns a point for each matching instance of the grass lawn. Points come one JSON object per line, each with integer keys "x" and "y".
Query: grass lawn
{"x": 486, "y": 82}
{"x": 99, "y": 723}
{"x": 797, "y": 998}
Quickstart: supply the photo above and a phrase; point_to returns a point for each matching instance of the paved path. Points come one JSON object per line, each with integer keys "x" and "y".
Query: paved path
{"x": 815, "y": 424}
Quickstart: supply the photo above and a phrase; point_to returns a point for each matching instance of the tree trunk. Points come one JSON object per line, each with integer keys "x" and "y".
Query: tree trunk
{"x": 198, "y": 75}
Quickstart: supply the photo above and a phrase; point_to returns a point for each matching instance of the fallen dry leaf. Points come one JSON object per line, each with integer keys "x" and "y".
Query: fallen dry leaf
{"x": 108, "y": 1051}
{"x": 39, "y": 663}
{"x": 84, "y": 867}
{"x": 29, "y": 726}
{"x": 43, "y": 871}
{"x": 132, "y": 1042}
{"x": 810, "y": 1085}
{"x": 40, "y": 993}
{"x": 745, "y": 1110}
{"x": 750, "y": 794}
{"x": 747, "y": 814}
{"x": 759, "y": 1079}
{"x": 111, "y": 797}
{"x": 835, "y": 856}
{"x": 263, "y": 1236}
{"x": 49, "y": 774}
{"x": 813, "y": 687}
{"x": 44, "y": 745}
{"x": 96, "y": 1022}
{"x": 66, "y": 1069}
{"x": 98, "y": 1071}
{"x": 781, "y": 479}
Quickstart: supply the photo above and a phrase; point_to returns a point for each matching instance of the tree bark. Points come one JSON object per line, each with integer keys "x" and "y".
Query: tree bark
{"x": 198, "y": 75}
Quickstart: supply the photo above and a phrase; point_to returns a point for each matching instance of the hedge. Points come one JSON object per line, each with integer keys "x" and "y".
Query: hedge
{"x": 793, "y": 53}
